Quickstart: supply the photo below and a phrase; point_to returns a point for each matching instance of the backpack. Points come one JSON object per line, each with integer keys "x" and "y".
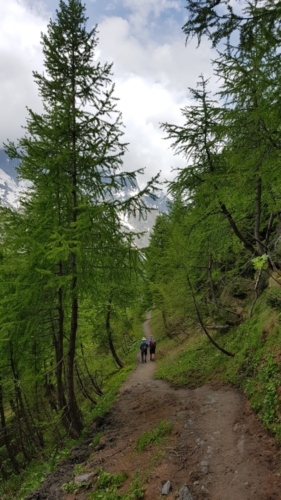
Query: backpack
{"x": 152, "y": 343}
{"x": 143, "y": 345}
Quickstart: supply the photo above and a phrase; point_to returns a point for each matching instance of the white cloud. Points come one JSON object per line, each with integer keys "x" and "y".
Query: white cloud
{"x": 152, "y": 81}
{"x": 144, "y": 106}
{"x": 151, "y": 76}
{"x": 142, "y": 10}
{"x": 20, "y": 53}
{"x": 170, "y": 63}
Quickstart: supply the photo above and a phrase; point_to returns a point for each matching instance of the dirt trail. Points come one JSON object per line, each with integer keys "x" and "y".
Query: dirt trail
{"x": 217, "y": 446}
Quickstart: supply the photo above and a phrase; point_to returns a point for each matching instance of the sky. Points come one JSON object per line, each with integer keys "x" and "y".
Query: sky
{"x": 152, "y": 70}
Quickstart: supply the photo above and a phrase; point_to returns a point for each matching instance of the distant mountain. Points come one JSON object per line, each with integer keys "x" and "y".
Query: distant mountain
{"x": 11, "y": 189}
{"x": 8, "y": 166}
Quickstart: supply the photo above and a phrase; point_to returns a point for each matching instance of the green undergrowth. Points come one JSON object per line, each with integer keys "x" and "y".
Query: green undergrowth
{"x": 255, "y": 368}
{"x": 17, "y": 487}
{"x": 108, "y": 484}
{"x": 154, "y": 436}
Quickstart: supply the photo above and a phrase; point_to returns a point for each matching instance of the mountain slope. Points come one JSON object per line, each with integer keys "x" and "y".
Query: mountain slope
{"x": 11, "y": 189}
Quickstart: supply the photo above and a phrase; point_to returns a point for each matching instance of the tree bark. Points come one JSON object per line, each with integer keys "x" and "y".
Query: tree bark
{"x": 59, "y": 347}
{"x": 6, "y": 437}
{"x": 109, "y": 335}
{"x": 95, "y": 384}
{"x": 236, "y": 231}
{"x": 260, "y": 247}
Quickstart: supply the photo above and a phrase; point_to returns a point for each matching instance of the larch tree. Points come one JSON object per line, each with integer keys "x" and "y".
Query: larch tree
{"x": 72, "y": 154}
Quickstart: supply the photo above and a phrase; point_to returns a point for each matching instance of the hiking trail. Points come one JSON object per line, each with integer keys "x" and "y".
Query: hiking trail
{"x": 217, "y": 446}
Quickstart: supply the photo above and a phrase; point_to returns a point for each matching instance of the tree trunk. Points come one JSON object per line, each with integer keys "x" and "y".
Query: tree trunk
{"x": 236, "y": 231}
{"x": 260, "y": 247}
{"x": 59, "y": 347}
{"x": 210, "y": 264}
{"x": 6, "y": 437}
{"x": 73, "y": 410}
{"x": 109, "y": 335}
{"x": 82, "y": 386}
{"x": 95, "y": 383}
{"x": 19, "y": 410}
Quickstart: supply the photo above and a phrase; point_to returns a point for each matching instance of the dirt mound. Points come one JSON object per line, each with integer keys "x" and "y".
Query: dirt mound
{"x": 217, "y": 447}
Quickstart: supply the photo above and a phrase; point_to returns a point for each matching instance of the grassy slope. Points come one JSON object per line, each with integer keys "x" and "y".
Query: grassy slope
{"x": 17, "y": 487}
{"x": 256, "y": 369}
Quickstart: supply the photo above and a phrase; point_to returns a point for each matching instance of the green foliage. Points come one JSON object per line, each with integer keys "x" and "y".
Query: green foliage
{"x": 219, "y": 20}
{"x": 154, "y": 436}
{"x": 136, "y": 491}
{"x": 263, "y": 392}
{"x": 79, "y": 469}
{"x": 112, "y": 386}
{"x": 260, "y": 262}
{"x": 19, "y": 486}
{"x": 108, "y": 484}
{"x": 96, "y": 439}
{"x": 273, "y": 298}
{"x": 71, "y": 487}
{"x": 105, "y": 479}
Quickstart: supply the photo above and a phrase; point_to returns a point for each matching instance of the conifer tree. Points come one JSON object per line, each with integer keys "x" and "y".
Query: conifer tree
{"x": 72, "y": 153}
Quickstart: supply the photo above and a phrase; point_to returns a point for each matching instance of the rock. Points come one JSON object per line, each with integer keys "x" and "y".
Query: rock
{"x": 83, "y": 479}
{"x": 204, "y": 467}
{"x": 184, "y": 493}
{"x": 166, "y": 488}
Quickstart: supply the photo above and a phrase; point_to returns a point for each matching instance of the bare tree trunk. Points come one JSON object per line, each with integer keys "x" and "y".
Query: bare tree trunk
{"x": 256, "y": 292}
{"x": 58, "y": 344}
{"x": 59, "y": 348}
{"x": 260, "y": 247}
{"x": 82, "y": 386}
{"x": 210, "y": 264}
{"x": 236, "y": 231}
{"x": 73, "y": 410}
{"x": 6, "y": 436}
{"x": 37, "y": 405}
{"x": 109, "y": 334}
{"x": 20, "y": 410}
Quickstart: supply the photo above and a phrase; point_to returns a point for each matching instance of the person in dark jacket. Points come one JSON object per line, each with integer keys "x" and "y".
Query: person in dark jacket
{"x": 143, "y": 348}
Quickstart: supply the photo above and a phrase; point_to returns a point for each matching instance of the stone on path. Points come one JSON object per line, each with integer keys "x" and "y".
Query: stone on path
{"x": 184, "y": 493}
{"x": 83, "y": 478}
{"x": 166, "y": 488}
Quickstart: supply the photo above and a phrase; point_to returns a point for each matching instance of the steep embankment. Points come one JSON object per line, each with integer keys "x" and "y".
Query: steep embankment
{"x": 216, "y": 447}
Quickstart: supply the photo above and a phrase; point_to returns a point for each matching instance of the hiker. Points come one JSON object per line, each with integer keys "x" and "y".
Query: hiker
{"x": 152, "y": 348}
{"x": 143, "y": 348}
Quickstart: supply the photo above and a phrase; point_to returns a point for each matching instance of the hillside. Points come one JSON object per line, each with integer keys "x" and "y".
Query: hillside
{"x": 206, "y": 441}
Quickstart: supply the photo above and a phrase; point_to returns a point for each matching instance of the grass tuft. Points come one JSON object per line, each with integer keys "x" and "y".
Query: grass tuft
{"x": 154, "y": 436}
